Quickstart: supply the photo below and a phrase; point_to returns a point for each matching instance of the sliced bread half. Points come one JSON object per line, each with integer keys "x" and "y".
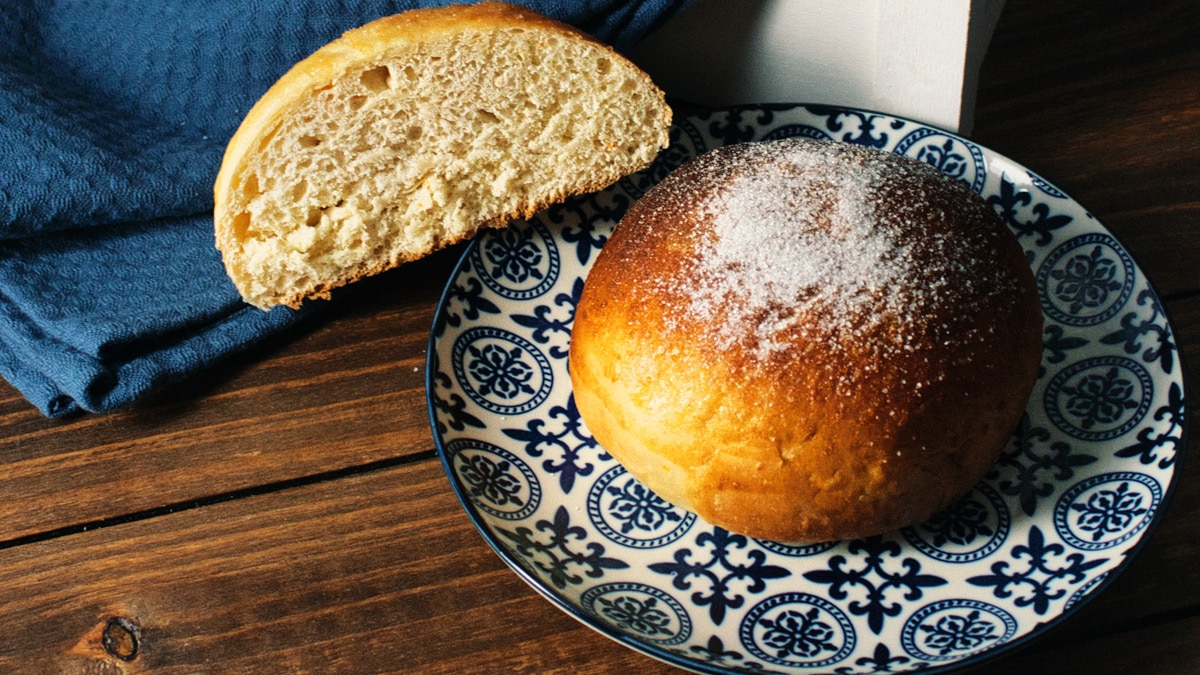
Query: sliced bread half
{"x": 414, "y": 132}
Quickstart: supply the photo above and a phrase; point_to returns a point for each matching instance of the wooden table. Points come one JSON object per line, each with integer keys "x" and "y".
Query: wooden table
{"x": 289, "y": 513}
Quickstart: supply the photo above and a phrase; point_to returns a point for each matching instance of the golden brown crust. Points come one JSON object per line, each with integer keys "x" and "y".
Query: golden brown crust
{"x": 838, "y": 436}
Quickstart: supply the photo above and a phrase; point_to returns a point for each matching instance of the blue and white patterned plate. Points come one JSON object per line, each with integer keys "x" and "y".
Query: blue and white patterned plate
{"x": 1084, "y": 477}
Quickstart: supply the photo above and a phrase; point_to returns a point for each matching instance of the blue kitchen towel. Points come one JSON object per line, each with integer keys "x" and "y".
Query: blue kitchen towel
{"x": 114, "y": 115}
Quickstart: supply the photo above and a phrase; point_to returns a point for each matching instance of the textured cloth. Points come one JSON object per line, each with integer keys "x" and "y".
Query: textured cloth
{"x": 114, "y": 115}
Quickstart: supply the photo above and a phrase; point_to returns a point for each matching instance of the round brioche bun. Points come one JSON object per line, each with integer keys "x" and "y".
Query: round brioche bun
{"x": 807, "y": 341}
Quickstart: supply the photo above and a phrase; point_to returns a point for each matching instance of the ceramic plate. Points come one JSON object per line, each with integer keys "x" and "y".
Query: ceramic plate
{"x": 1078, "y": 489}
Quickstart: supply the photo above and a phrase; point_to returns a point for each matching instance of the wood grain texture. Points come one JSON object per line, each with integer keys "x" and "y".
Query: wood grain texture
{"x": 375, "y": 573}
{"x": 1173, "y": 646}
{"x": 287, "y": 514}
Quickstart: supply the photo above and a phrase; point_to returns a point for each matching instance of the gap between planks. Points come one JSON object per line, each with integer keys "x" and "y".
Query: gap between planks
{"x": 242, "y": 493}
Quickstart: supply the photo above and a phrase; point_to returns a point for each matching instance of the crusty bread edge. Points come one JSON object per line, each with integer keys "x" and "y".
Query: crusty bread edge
{"x": 364, "y": 44}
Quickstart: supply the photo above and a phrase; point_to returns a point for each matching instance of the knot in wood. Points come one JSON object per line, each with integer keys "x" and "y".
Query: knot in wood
{"x": 120, "y": 638}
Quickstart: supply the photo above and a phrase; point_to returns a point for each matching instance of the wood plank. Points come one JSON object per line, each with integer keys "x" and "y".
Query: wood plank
{"x": 346, "y": 390}
{"x": 374, "y": 573}
{"x": 356, "y": 575}
{"x": 1176, "y": 650}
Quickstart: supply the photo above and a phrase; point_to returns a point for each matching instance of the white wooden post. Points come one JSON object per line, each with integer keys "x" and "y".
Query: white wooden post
{"x": 917, "y": 58}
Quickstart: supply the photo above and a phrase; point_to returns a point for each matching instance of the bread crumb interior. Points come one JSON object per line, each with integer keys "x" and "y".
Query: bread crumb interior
{"x": 420, "y": 148}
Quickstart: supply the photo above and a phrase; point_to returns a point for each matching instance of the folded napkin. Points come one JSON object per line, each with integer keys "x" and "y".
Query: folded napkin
{"x": 114, "y": 115}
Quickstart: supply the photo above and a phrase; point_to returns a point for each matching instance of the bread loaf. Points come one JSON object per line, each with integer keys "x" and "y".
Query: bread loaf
{"x": 806, "y": 341}
{"x": 415, "y": 131}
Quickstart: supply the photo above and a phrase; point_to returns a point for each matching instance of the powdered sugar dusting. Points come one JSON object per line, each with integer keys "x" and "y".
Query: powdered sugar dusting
{"x": 799, "y": 231}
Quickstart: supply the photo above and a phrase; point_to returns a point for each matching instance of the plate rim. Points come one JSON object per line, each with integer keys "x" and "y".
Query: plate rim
{"x": 1040, "y": 631}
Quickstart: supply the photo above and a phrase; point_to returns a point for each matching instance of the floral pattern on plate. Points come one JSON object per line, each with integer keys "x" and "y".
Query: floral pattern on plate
{"x": 1084, "y": 477}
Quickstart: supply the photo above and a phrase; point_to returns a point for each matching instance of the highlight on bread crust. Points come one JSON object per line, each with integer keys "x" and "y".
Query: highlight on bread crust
{"x": 806, "y": 341}
{"x": 412, "y": 133}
